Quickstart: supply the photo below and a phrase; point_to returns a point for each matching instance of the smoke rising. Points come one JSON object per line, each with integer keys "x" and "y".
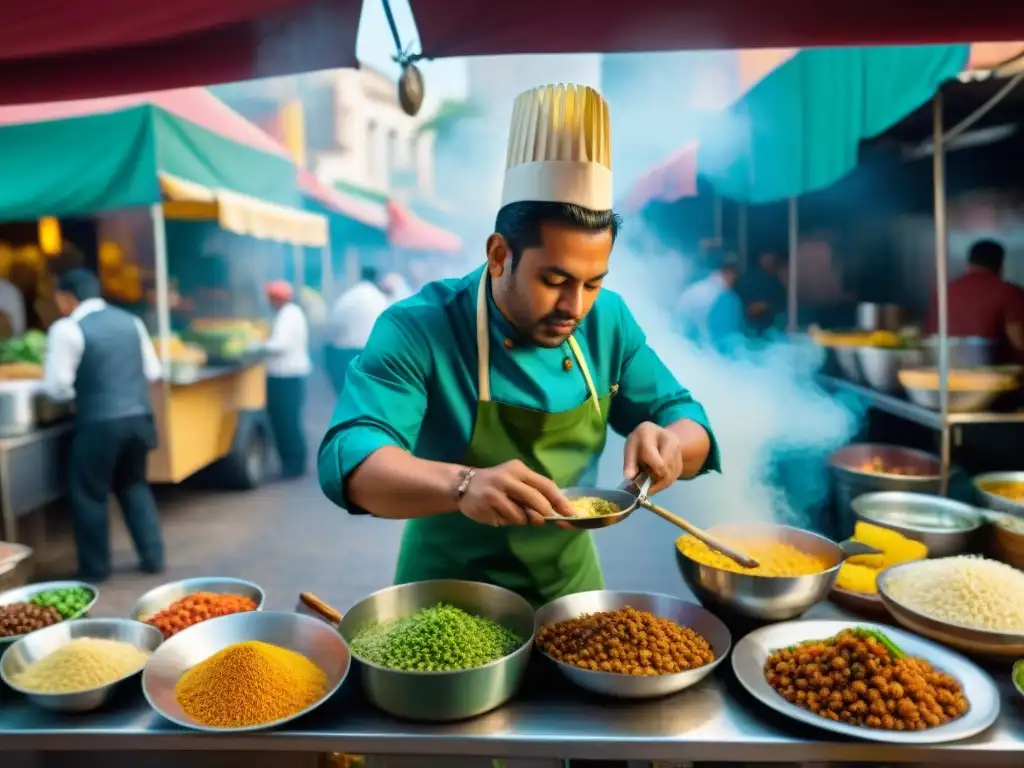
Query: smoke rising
{"x": 763, "y": 403}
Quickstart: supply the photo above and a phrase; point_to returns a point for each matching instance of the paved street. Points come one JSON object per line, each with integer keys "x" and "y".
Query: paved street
{"x": 288, "y": 538}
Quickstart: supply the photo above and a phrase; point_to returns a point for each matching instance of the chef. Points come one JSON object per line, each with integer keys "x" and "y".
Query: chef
{"x": 102, "y": 357}
{"x": 287, "y": 370}
{"x": 475, "y": 400}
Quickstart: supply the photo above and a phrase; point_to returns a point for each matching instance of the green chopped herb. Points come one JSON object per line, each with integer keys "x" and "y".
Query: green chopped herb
{"x": 435, "y": 639}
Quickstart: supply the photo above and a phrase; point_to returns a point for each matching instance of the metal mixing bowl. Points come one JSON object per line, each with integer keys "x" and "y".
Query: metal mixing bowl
{"x": 37, "y": 645}
{"x": 980, "y": 642}
{"x": 960, "y": 401}
{"x": 768, "y": 598}
{"x": 994, "y": 501}
{"x": 314, "y": 639}
{"x": 161, "y": 597}
{"x": 881, "y": 366}
{"x": 441, "y": 696}
{"x": 945, "y": 526}
{"x": 26, "y": 593}
{"x": 685, "y": 614}
{"x": 849, "y": 363}
{"x": 964, "y": 351}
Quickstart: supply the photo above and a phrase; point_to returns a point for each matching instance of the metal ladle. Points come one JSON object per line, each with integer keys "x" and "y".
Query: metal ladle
{"x": 628, "y": 503}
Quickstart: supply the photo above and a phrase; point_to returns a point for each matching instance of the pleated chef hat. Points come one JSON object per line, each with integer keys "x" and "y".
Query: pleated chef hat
{"x": 559, "y": 148}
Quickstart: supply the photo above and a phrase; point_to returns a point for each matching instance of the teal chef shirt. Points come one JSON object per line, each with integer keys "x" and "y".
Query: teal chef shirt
{"x": 415, "y": 386}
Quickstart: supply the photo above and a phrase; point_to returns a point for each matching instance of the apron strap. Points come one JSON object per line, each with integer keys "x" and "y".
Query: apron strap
{"x": 578, "y": 354}
{"x": 483, "y": 342}
{"x": 483, "y": 350}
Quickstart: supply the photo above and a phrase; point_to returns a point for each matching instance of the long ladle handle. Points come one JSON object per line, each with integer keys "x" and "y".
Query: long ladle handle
{"x": 738, "y": 557}
{"x": 319, "y": 607}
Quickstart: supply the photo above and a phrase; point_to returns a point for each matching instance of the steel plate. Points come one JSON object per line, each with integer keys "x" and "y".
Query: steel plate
{"x": 751, "y": 653}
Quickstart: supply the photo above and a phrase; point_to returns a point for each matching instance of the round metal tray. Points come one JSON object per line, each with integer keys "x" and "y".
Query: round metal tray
{"x": 26, "y": 593}
{"x": 161, "y": 597}
{"x": 751, "y": 653}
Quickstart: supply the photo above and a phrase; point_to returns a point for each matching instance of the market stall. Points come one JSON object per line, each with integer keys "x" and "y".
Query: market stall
{"x": 183, "y": 158}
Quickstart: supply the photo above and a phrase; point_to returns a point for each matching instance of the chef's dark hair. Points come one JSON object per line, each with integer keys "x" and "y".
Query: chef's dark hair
{"x": 80, "y": 283}
{"x": 987, "y": 254}
{"x": 520, "y": 223}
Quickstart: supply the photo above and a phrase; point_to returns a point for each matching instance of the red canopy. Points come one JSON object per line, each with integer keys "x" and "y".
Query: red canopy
{"x": 73, "y": 49}
{"x": 484, "y": 27}
{"x": 407, "y": 230}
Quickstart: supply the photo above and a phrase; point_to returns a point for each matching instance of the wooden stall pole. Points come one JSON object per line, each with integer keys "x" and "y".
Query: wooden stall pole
{"x": 163, "y": 305}
{"x": 942, "y": 284}
{"x": 794, "y": 247}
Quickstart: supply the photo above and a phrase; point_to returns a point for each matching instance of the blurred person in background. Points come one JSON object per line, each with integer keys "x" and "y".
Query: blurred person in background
{"x": 13, "y": 302}
{"x": 395, "y": 287}
{"x": 710, "y": 312}
{"x": 288, "y": 368}
{"x": 101, "y": 357}
{"x": 352, "y": 319}
{"x": 983, "y": 305}
{"x": 763, "y": 293}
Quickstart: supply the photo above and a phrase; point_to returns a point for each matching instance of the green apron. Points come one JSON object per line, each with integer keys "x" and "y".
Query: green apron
{"x": 540, "y": 563}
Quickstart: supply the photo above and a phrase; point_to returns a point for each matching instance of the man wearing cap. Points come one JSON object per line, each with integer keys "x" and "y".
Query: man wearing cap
{"x": 287, "y": 370}
{"x": 477, "y": 399}
{"x": 102, "y": 358}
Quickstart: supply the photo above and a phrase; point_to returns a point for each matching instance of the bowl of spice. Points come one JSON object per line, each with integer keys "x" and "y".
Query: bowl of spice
{"x": 246, "y": 671}
{"x": 440, "y": 650}
{"x": 36, "y": 606}
{"x": 631, "y": 645}
{"x": 178, "y": 605}
{"x": 75, "y": 666}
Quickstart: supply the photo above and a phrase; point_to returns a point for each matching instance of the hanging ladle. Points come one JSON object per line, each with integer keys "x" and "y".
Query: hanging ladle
{"x": 627, "y": 503}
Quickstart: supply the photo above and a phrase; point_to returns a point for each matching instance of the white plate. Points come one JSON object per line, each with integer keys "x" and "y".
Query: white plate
{"x": 751, "y": 653}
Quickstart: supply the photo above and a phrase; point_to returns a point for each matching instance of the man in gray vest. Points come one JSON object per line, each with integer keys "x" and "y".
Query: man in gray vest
{"x": 103, "y": 359}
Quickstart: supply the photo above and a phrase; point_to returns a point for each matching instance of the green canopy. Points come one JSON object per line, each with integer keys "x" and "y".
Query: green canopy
{"x": 799, "y": 129}
{"x": 80, "y": 158}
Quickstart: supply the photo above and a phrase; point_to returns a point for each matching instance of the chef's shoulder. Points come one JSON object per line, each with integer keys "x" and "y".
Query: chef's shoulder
{"x": 417, "y": 326}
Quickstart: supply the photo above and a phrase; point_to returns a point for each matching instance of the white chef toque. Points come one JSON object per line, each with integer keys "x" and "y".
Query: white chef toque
{"x": 559, "y": 148}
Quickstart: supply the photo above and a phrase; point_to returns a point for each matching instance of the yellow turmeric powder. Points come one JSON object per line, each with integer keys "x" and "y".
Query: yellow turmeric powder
{"x": 776, "y": 558}
{"x": 248, "y": 684}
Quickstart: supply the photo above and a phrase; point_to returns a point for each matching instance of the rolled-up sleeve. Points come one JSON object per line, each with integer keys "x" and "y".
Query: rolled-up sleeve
{"x": 648, "y": 391}
{"x": 382, "y": 403}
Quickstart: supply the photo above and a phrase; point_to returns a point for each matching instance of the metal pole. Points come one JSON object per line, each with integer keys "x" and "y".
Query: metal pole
{"x": 327, "y": 271}
{"x": 741, "y": 233}
{"x": 299, "y": 278}
{"x": 942, "y": 283}
{"x": 794, "y": 246}
{"x": 718, "y": 225}
{"x": 163, "y": 305}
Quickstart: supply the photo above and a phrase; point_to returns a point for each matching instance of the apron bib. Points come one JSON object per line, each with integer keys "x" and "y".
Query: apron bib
{"x": 539, "y": 563}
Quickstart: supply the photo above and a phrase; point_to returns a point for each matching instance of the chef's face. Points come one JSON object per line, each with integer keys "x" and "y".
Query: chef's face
{"x": 553, "y": 286}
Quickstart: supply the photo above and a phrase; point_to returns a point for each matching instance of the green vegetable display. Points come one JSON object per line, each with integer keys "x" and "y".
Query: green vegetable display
{"x": 69, "y": 602}
{"x": 29, "y": 348}
{"x": 1018, "y": 674}
{"x": 436, "y": 639}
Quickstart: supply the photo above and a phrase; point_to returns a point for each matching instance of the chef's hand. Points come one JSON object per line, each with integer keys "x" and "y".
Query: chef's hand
{"x": 657, "y": 451}
{"x": 513, "y": 494}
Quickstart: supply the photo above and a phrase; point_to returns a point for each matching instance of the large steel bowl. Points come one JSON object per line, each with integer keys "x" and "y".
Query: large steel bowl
{"x": 849, "y": 363}
{"x": 767, "y": 598}
{"x": 315, "y": 640}
{"x": 443, "y": 696}
{"x": 960, "y": 401}
{"x": 685, "y": 614}
{"x": 26, "y": 593}
{"x": 978, "y": 642}
{"x": 37, "y": 645}
{"x": 853, "y": 477}
{"x": 880, "y": 366}
{"x": 995, "y": 501}
{"x": 964, "y": 351}
{"x": 945, "y": 526}
{"x": 163, "y": 596}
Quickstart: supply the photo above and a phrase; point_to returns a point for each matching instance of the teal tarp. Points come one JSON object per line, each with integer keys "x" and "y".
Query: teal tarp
{"x": 87, "y": 165}
{"x": 800, "y": 128}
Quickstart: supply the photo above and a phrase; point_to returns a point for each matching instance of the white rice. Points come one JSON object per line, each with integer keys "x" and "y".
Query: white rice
{"x": 966, "y": 590}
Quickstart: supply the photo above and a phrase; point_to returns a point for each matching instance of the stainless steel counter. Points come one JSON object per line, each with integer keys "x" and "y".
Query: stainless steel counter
{"x": 33, "y": 472}
{"x": 714, "y": 722}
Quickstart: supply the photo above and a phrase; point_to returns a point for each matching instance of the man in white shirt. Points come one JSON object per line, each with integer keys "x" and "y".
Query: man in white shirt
{"x": 102, "y": 358}
{"x": 12, "y": 305}
{"x": 352, "y": 319}
{"x": 395, "y": 287}
{"x": 287, "y": 370}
